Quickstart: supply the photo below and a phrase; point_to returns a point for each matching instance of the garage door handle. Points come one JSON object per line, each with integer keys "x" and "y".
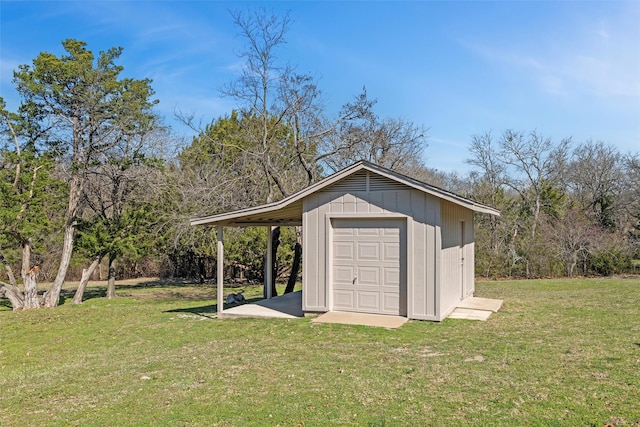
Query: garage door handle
{"x": 355, "y": 279}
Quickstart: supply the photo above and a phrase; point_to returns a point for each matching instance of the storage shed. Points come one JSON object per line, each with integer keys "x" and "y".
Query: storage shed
{"x": 374, "y": 241}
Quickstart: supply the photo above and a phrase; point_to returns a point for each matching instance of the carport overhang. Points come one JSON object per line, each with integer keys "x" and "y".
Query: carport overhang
{"x": 272, "y": 214}
{"x": 269, "y": 215}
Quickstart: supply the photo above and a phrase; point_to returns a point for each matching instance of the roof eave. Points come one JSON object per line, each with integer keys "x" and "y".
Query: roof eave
{"x": 221, "y": 218}
{"x": 231, "y": 218}
{"x": 430, "y": 189}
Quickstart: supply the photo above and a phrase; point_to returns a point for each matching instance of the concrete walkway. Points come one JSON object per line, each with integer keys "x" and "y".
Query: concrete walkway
{"x": 350, "y": 318}
{"x": 475, "y": 308}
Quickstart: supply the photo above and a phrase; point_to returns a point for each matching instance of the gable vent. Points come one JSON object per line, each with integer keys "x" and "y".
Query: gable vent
{"x": 365, "y": 181}
{"x": 381, "y": 183}
{"x": 353, "y": 183}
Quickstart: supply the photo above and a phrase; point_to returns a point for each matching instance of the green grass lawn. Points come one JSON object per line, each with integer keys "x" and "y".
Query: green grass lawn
{"x": 560, "y": 352}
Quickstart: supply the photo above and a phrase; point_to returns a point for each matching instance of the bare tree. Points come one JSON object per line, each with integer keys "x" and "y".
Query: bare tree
{"x": 529, "y": 166}
{"x": 257, "y": 91}
{"x": 286, "y": 140}
{"x": 278, "y": 96}
{"x": 113, "y": 219}
{"x": 571, "y": 239}
{"x": 595, "y": 176}
{"x": 532, "y": 164}
{"x": 631, "y": 201}
{"x": 486, "y": 157}
{"x": 393, "y": 143}
{"x": 281, "y": 110}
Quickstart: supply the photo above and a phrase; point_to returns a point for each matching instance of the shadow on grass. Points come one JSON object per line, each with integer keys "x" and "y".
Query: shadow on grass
{"x": 89, "y": 293}
{"x": 210, "y": 311}
{"x": 166, "y": 285}
{"x": 92, "y": 292}
{"x": 180, "y": 283}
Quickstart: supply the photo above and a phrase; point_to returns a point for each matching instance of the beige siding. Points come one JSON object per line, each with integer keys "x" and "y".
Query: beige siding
{"x": 470, "y": 266}
{"x": 422, "y": 211}
{"x": 314, "y": 252}
{"x": 456, "y": 263}
{"x": 422, "y": 285}
{"x": 439, "y": 265}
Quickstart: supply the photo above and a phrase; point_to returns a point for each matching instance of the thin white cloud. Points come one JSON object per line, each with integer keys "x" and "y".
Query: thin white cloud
{"x": 602, "y": 61}
{"x": 603, "y": 33}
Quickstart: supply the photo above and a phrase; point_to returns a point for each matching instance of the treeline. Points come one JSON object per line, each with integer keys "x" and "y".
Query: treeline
{"x": 89, "y": 190}
{"x": 567, "y": 208}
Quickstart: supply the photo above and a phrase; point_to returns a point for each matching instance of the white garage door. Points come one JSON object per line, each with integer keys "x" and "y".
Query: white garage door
{"x": 366, "y": 267}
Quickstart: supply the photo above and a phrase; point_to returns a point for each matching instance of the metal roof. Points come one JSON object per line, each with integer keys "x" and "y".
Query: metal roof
{"x": 288, "y": 211}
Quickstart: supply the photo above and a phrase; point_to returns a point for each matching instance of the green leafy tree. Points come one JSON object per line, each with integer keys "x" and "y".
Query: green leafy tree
{"x": 216, "y": 173}
{"x": 29, "y": 205}
{"x": 83, "y": 106}
{"x": 112, "y": 235}
{"x": 224, "y": 168}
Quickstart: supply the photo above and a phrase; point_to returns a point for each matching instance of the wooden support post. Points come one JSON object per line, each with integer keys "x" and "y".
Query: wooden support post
{"x": 220, "y": 270}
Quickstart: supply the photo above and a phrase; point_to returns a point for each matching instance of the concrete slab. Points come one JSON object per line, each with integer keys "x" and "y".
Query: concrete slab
{"x": 349, "y": 318}
{"x": 475, "y": 308}
{"x": 287, "y": 306}
{"x": 470, "y": 314}
{"x": 476, "y": 303}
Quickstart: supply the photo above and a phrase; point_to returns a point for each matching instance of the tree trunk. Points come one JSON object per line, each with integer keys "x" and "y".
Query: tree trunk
{"x": 29, "y": 278}
{"x": 52, "y": 296}
{"x": 536, "y": 216}
{"x": 31, "y": 299}
{"x": 9, "y": 270}
{"x": 26, "y": 258}
{"x": 274, "y": 259}
{"x": 572, "y": 264}
{"x": 202, "y": 274}
{"x": 14, "y": 294}
{"x": 111, "y": 278}
{"x": 295, "y": 267}
{"x": 275, "y": 239}
{"x": 86, "y": 275}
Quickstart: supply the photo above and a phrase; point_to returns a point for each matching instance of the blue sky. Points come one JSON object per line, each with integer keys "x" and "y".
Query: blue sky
{"x": 563, "y": 68}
